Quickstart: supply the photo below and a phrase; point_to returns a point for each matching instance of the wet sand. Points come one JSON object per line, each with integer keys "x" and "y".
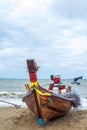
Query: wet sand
{"x": 22, "y": 119}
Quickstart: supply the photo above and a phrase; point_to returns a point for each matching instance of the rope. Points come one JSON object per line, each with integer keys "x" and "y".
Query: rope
{"x": 17, "y": 106}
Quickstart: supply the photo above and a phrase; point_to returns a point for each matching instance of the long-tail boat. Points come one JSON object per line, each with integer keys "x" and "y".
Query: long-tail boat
{"x": 44, "y": 103}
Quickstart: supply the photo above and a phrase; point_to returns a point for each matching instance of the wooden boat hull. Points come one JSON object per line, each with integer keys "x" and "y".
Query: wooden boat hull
{"x": 50, "y": 107}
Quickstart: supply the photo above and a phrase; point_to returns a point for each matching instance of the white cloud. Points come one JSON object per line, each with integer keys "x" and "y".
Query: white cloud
{"x": 1, "y": 66}
{"x": 19, "y": 10}
{"x": 11, "y": 52}
{"x": 78, "y": 45}
{"x": 6, "y": 44}
{"x": 6, "y": 52}
{"x": 66, "y": 32}
{"x": 70, "y": 9}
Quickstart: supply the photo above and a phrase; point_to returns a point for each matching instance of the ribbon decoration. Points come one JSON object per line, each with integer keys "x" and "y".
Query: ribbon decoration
{"x": 41, "y": 93}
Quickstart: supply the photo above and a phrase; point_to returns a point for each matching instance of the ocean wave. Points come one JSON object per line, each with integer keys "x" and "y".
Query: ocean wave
{"x": 84, "y": 101}
{"x": 16, "y": 97}
{"x": 12, "y": 94}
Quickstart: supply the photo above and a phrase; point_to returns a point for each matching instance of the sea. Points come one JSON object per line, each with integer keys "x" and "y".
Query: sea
{"x": 13, "y": 90}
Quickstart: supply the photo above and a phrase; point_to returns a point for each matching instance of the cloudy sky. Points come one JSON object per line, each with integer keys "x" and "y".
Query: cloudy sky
{"x": 53, "y": 32}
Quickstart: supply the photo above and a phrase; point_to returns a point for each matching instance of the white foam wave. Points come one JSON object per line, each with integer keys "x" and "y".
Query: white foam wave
{"x": 83, "y": 103}
{"x": 12, "y": 94}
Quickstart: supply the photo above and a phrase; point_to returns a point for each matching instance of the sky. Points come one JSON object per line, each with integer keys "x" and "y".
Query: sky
{"x": 53, "y": 32}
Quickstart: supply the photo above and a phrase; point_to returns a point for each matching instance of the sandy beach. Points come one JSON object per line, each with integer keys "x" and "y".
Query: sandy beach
{"x": 12, "y": 118}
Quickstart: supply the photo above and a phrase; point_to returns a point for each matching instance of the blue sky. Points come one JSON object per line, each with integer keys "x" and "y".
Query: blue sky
{"x": 53, "y": 32}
